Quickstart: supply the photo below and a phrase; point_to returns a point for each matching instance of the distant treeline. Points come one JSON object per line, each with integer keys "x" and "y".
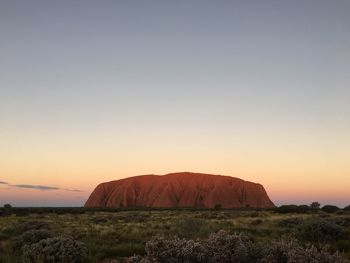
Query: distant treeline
{"x": 309, "y": 209}
{"x": 23, "y": 211}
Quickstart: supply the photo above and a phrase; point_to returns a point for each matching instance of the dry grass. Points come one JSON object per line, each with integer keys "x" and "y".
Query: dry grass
{"x": 124, "y": 233}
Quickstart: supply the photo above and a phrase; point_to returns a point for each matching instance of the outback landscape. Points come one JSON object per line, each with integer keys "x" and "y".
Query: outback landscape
{"x": 282, "y": 235}
{"x": 193, "y": 131}
{"x": 177, "y": 217}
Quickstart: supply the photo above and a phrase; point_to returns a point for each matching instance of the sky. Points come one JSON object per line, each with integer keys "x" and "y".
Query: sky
{"x": 94, "y": 91}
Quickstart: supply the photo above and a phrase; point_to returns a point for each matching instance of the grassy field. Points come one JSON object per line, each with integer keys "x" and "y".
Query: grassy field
{"x": 118, "y": 234}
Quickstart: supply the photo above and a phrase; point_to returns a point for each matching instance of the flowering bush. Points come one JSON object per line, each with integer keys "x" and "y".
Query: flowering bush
{"x": 230, "y": 248}
{"x": 174, "y": 250}
{"x": 223, "y": 247}
{"x": 291, "y": 252}
{"x": 55, "y": 250}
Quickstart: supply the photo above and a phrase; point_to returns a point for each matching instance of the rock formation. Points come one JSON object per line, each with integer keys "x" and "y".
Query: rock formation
{"x": 180, "y": 190}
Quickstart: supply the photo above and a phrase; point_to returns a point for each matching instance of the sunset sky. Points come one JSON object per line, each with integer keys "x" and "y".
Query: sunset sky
{"x": 93, "y": 91}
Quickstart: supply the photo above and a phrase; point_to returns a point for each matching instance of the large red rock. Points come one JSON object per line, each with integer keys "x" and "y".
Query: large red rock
{"x": 180, "y": 190}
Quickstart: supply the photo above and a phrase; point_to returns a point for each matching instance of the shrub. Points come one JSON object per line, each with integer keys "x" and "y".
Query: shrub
{"x": 257, "y": 221}
{"x": 323, "y": 256}
{"x": 219, "y": 247}
{"x": 223, "y": 247}
{"x": 190, "y": 226}
{"x": 99, "y": 220}
{"x": 24, "y": 226}
{"x": 286, "y": 251}
{"x": 30, "y": 237}
{"x": 253, "y": 214}
{"x": 230, "y": 248}
{"x": 330, "y": 208}
{"x": 137, "y": 259}
{"x": 320, "y": 230}
{"x": 6, "y": 210}
{"x": 174, "y": 250}
{"x": 217, "y": 207}
{"x": 292, "y": 209}
{"x": 55, "y": 250}
{"x": 341, "y": 221}
{"x": 290, "y": 222}
{"x": 132, "y": 218}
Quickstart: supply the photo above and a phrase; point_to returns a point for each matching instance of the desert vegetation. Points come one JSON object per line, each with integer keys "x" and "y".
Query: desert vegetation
{"x": 285, "y": 234}
{"x": 226, "y": 248}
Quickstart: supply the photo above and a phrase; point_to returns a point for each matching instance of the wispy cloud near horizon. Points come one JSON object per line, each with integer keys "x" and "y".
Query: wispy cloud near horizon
{"x": 73, "y": 190}
{"x": 39, "y": 187}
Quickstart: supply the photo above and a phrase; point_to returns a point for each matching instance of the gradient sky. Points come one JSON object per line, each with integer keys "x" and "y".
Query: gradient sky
{"x": 92, "y": 91}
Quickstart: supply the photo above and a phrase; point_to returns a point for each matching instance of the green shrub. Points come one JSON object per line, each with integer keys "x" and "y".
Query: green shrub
{"x": 330, "y": 208}
{"x": 23, "y": 226}
{"x": 257, "y": 222}
{"x": 292, "y": 209}
{"x": 99, "y": 220}
{"x": 30, "y": 237}
{"x": 320, "y": 230}
{"x": 191, "y": 226}
{"x": 290, "y": 222}
{"x": 7, "y": 210}
{"x": 217, "y": 207}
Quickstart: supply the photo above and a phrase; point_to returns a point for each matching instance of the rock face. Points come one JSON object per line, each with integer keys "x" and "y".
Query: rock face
{"x": 180, "y": 190}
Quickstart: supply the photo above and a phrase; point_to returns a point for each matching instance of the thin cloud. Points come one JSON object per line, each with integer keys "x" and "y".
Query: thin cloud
{"x": 39, "y": 187}
{"x": 72, "y": 190}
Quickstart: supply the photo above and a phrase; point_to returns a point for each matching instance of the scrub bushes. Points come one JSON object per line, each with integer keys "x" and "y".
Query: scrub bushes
{"x": 230, "y": 248}
{"x": 55, "y": 250}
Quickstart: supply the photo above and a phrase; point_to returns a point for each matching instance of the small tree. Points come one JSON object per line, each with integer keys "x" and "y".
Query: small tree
{"x": 315, "y": 205}
{"x": 7, "y": 209}
{"x": 217, "y": 207}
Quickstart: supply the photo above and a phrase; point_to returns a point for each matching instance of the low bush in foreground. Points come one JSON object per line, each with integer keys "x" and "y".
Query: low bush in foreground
{"x": 291, "y": 252}
{"x": 230, "y": 248}
{"x": 55, "y": 250}
{"x": 30, "y": 237}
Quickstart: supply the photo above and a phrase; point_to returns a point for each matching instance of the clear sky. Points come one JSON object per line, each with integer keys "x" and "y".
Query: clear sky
{"x": 92, "y": 91}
